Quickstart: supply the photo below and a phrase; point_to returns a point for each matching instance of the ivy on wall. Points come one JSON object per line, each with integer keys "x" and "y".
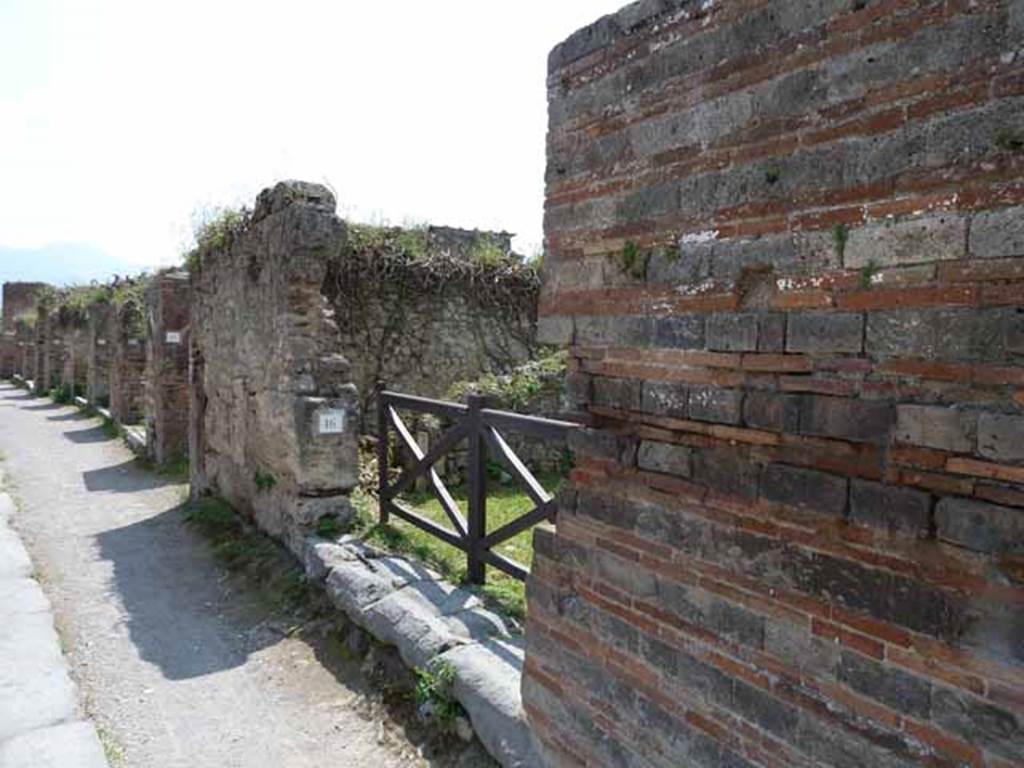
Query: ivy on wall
{"x": 389, "y": 280}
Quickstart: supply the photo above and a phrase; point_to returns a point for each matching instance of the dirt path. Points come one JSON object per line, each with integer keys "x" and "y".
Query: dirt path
{"x": 178, "y": 667}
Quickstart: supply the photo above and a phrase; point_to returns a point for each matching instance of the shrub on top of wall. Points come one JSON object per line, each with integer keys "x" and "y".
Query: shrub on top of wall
{"x": 542, "y": 378}
{"x": 214, "y": 229}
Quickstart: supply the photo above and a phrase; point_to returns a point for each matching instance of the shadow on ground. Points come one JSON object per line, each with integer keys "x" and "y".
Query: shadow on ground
{"x": 73, "y": 416}
{"x": 179, "y": 615}
{"x": 42, "y": 407}
{"x": 126, "y": 477}
{"x": 88, "y": 435}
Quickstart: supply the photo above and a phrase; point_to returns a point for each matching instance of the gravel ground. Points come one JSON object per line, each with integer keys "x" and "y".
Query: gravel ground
{"x": 179, "y": 664}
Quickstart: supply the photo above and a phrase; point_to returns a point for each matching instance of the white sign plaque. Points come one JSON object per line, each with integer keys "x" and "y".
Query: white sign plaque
{"x": 174, "y": 337}
{"x": 332, "y": 422}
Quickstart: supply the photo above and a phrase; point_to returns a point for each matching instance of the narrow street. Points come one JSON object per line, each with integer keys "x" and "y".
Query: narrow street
{"x": 176, "y": 665}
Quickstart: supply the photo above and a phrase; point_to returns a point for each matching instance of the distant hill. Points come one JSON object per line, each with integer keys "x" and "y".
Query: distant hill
{"x": 61, "y": 264}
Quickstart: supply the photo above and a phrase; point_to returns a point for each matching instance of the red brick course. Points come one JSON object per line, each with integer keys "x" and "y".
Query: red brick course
{"x": 790, "y": 273}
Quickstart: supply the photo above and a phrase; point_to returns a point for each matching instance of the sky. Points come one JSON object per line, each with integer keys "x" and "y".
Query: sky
{"x": 122, "y": 119}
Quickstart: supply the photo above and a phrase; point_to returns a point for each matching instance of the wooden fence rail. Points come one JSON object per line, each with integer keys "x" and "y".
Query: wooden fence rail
{"x": 480, "y": 426}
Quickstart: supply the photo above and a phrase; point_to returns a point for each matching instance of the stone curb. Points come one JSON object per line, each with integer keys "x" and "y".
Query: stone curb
{"x": 429, "y": 620}
{"x": 40, "y": 722}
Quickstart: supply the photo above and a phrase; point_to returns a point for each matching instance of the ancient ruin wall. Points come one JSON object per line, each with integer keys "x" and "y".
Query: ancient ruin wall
{"x": 168, "y": 307}
{"x": 786, "y": 248}
{"x": 49, "y": 349}
{"x": 25, "y": 335}
{"x": 423, "y": 309}
{"x": 73, "y": 332}
{"x": 99, "y": 351}
{"x": 273, "y": 412}
{"x": 128, "y": 363}
{"x": 19, "y": 301}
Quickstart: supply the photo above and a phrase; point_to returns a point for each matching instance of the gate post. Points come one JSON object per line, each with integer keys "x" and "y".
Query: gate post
{"x": 476, "y": 522}
{"x": 382, "y": 454}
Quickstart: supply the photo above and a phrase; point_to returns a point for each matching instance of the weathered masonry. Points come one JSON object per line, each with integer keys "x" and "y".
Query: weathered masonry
{"x": 295, "y": 315}
{"x": 168, "y": 305}
{"x": 19, "y": 301}
{"x": 424, "y": 308}
{"x": 786, "y": 250}
{"x": 100, "y": 333}
{"x": 127, "y": 344}
{"x": 273, "y": 414}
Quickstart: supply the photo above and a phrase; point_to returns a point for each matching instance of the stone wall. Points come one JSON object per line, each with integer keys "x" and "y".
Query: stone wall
{"x": 49, "y": 350}
{"x": 25, "y": 335}
{"x": 785, "y": 247}
{"x": 422, "y": 309}
{"x": 9, "y": 355}
{"x": 19, "y": 301}
{"x": 273, "y": 412}
{"x": 168, "y": 306}
{"x": 74, "y": 336}
{"x": 100, "y": 332}
{"x": 128, "y": 364}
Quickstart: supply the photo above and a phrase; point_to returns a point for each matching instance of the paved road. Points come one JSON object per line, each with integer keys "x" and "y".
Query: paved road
{"x": 41, "y": 723}
{"x": 178, "y": 667}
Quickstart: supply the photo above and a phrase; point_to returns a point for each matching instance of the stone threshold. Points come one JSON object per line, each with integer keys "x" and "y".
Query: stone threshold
{"x": 135, "y": 437}
{"x": 432, "y": 622}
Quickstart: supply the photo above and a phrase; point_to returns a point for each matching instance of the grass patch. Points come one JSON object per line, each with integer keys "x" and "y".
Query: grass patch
{"x": 62, "y": 395}
{"x": 504, "y": 504}
{"x": 111, "y": 429}
{"x": 113, "y": 751}
{"x": 328, "y": 527}
{"x": 176, "y": 469}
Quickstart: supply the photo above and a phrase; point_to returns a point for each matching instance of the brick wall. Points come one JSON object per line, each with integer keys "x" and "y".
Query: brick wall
{"x": 128, "y": 364}
{"x": 75, "y": 356}
{"x": 785, "y": 247}
{"x": 274, "y": 415}
{"x": 26, "y": 335}
{"x": 168, "y": 306}
{"x": 9, "y": 355}
{"x": 99, "y": 352}
{"x": 49, "y": 350}
{"x": 19, "y": 299}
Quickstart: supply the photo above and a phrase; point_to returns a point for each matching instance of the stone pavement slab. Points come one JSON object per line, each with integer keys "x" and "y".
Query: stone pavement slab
{"x": 71, "y": 745}
{"x": 40, "y": 720}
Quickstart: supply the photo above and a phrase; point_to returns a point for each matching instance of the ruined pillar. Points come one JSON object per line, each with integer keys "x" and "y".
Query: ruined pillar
{"x": 168, "y": 306}
{"x": 25, "y": 335}
{"x": 274, "y": 415}
{"x": 19, "y": 304}
{"x": 50, "y": 352}
{"x": 38, "y": 352}
{"x": 70, "y": 326}
{"x": 99, "y": 330}
{"x": 8, "y": 354}
{"x": 785, "y": 246}
{"x": 128, "y": 363}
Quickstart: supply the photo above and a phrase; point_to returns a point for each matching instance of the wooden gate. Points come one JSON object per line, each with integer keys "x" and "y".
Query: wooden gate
{"x": 480, "y": 426}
